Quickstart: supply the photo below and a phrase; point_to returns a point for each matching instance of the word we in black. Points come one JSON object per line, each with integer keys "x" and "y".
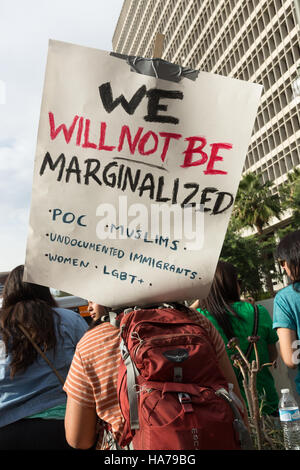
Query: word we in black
{"x": 154, "y": 106}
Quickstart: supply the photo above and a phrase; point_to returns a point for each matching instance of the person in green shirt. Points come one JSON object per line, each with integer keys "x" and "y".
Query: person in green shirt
{"x": 234, "y": 318}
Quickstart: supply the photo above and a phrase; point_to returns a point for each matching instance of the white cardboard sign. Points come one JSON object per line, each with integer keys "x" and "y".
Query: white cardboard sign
{"x": 115, "y": 149}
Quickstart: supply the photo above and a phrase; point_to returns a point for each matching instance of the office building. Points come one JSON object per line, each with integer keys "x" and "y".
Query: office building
{"x": 253, "y": 40}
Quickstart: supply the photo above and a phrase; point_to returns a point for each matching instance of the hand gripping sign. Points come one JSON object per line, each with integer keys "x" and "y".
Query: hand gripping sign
{"x": 135, "y": 178}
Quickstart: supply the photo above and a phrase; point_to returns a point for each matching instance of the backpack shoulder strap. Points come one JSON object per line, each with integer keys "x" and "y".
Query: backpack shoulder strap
{"x": 36, "y": 347}
{"x": 256, "y": 319}
{"x": 238, "y": 423}
{"x": 254, "y": 333}
{"x": 132, "y": 374}
{"x": 113, "y": 319}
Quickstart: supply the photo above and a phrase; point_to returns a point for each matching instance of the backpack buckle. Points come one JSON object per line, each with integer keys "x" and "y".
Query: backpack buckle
{"x": 186, "y": 402}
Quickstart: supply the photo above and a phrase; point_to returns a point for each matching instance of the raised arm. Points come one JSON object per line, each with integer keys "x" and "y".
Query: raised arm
{"x": 288, "y": 345}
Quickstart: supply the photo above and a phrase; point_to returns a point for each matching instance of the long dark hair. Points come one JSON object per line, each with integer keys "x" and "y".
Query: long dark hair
{"x": 30, "y": 305}
{"x": 288, "y": 250}
{"x": 224, "y": 291}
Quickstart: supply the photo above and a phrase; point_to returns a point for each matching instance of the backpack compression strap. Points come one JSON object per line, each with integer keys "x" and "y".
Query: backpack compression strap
{"x": 238, "y": 423}
{"x": 132, "y": 373}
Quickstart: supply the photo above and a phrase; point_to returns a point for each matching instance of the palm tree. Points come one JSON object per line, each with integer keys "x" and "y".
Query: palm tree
{"x": 290, "y": 194}
{"x": 255, "y": 206}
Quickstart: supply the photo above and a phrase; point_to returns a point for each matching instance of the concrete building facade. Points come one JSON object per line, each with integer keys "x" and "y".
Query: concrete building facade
{"x": 255, "y": 40}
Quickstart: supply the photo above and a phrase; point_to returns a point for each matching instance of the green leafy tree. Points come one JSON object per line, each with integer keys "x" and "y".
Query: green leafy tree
{"x": 243, "y": 253}
{"x": 255, "y": 206}
{"x": 290, "y": 197}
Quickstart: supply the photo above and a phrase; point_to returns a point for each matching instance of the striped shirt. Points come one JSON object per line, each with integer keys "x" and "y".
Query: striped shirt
{"x": 93, "y": 375}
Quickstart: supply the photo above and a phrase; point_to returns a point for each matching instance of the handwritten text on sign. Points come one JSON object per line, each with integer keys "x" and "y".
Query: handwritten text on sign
{"x": 128, "y": 170}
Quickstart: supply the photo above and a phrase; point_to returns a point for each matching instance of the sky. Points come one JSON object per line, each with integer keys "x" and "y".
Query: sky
{"x": 25, "y": 29}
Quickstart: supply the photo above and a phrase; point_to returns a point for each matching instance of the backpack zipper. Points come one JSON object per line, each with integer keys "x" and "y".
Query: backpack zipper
{"x": 151, "y": 340}
{"x": 162, "y": 323}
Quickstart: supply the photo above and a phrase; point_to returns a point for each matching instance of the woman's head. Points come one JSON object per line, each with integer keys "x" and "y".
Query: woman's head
{"x": 29, "y": 305}
{"x": 224, "y": 291}
{"x": 225, "y": 284}
{"x": 15, "y": 290}
{"x": 288, "y": 253}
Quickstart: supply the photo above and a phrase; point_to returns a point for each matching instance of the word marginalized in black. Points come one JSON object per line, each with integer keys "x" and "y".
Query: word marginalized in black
{"x": 125, "y": 178}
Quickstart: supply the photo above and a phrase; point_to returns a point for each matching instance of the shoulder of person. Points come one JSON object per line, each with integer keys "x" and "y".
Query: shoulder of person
{"x": 251, "y": 307}
{"x": 70, "y": 317}
{"x": 243, "y": 305}
{"x": 100, "y": 332}
{"x": 284, "y": 291}
{"x": 65, "y": 312}
{"x": 242, "y": 302}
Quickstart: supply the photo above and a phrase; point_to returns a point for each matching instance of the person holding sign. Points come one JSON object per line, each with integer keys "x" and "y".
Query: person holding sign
{"x": 141, "y": 161}
{"x": 32, "y": 402}
{"x": 156, "y": 142}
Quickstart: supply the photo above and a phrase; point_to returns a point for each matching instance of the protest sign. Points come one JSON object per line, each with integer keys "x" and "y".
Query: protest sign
{"x": 134, "y": 178}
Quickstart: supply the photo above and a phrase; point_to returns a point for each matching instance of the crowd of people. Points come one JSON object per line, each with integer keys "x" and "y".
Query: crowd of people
{"x": 58, "y": 374}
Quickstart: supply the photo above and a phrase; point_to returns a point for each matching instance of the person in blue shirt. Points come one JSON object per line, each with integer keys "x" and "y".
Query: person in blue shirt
{"x": 32, "y": 401}
{"x": 286, "y": 312}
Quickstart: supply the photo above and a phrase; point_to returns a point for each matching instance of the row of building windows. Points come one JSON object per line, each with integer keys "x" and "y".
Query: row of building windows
{"x": 267, "y": 44}
{"x": 276, "y": 103}
{"x": 177, "y": 13}
{"x": 277, "y": 167}
{"x": 145, "y": 44}
{"x": 141, "y": 6}
{"x": 207, "y": 19}
{"x": 270, "y": 141}
{"x": 225, "y": 40}
{"x": 126, "y": 28}
{"x": 155, "y": 14}
{"x": 176, "y": 53}
{"x": 179, "y": 9}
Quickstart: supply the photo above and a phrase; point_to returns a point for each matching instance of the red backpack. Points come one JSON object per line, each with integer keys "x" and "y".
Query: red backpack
{"x": 171, "y": 391}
